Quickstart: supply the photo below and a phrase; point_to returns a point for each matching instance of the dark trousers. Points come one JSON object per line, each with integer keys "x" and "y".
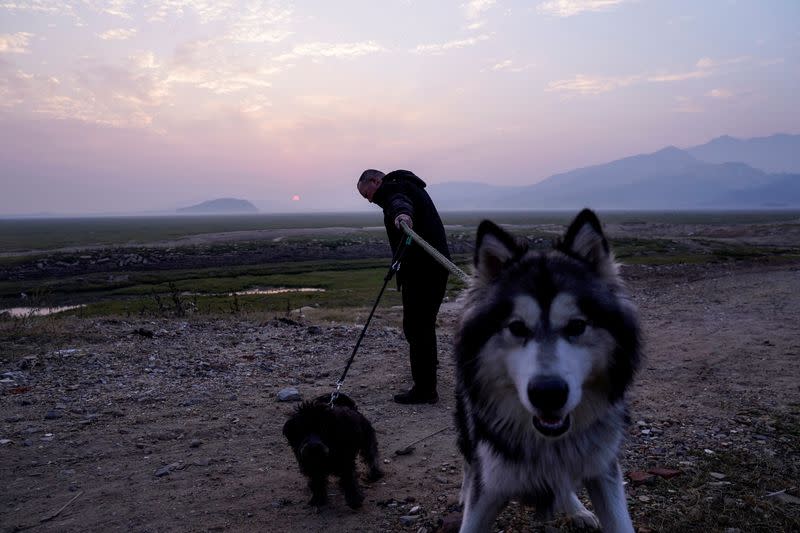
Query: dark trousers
{"x": 422, "y": 296}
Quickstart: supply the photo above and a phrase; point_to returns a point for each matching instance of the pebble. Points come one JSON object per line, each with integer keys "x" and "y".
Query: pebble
{"x": 52, "y": 415}
{"x": 415, "y": 510}
{"x": 289, "y": 394}
{"x": 666, "y": 473}
{"x": 408, "y": 520}
{"x": 165, "y": 470}
{"x": 640, "y": 478}
{"x": 785, "y": 498}
{"x": 195, "y": 443}
{"x": 451, "y": 523}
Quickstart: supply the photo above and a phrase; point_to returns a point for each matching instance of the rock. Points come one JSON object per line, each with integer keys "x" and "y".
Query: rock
{"x": 53, "y": 415}
{"x": 165, "y": 470}
{"x": 450, "y": 524}
{"x": 192, "y": 401}
{"x": 408, "y": 520}
{"x": 28, "y": 362}
{"x": 195, "y": 443}
{"x": 14, "y": 376}
{"x": 666, "y": 473}
{"x": 717, "y": 475}
{"x": 144, "y": 332}
{"x": 289, "y": 394}
{"x": 638, "y": 477}
{"x": 785, "y": 498}
{"x": 415, "y": 510}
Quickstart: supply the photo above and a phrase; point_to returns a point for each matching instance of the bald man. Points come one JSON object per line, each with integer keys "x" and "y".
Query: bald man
{"x": 402, "y": 196}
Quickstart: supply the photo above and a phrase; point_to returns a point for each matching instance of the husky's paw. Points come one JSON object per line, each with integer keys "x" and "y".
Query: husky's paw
{"x": 585, "y": 519}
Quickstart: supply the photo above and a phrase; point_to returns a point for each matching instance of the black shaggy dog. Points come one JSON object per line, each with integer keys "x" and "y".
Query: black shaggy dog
{"x": 326, "y": 440}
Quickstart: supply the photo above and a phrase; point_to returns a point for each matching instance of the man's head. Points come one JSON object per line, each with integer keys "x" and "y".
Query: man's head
{"x": 369, "y": 182}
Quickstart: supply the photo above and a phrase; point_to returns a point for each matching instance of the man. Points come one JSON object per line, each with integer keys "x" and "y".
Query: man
{"x": 421, "y": 279}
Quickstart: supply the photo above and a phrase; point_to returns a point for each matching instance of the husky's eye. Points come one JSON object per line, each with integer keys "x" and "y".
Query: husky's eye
{"x": 519, "y": 329}
{"x": 575, "y": 327}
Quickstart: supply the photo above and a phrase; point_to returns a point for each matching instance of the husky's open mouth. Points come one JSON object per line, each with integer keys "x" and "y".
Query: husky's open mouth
{"x": 551, "y": 426}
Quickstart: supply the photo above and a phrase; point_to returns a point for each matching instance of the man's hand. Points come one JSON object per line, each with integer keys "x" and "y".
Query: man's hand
{"x": 403, "y": 218}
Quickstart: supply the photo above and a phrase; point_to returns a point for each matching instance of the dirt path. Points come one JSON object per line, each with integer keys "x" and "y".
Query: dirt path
{"x": 173, "y": 425}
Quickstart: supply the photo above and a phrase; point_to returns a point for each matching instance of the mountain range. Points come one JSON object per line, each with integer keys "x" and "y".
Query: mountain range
{"x": 220, "y": 206}
{"x": 726, "y": 172}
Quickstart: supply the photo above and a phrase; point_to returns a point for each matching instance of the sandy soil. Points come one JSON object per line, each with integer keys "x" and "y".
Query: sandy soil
{"x": 173, "y": 425}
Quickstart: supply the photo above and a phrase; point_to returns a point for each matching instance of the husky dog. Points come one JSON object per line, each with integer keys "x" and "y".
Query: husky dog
{"x": 547, "y": 345}
{"x": 326, "y": 439}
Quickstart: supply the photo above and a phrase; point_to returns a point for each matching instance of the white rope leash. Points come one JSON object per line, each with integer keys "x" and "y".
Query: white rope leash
{"x": 436, "y": 254}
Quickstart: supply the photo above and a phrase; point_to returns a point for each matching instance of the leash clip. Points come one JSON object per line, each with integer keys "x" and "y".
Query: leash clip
{"x": 335, "y": 394}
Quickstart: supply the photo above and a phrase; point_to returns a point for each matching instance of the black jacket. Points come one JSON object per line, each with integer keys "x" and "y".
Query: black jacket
{"x": 402, "y": 192}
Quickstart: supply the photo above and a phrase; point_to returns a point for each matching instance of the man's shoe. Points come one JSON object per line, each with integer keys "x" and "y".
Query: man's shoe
{"x": 414, "y": 396}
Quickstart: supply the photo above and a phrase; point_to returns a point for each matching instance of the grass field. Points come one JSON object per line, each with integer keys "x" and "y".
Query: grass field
{"x": 347, "y": 280}
{"x": 18, "y": 235}
{"x": 346, "y": 283}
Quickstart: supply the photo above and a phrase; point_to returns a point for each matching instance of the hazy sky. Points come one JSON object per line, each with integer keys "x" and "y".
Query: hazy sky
{"x": 109, "y": 106}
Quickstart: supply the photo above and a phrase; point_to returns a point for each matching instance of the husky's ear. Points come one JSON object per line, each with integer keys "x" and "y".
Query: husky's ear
{"x": 585, "y": 239}
{"x": 493, "y": 249}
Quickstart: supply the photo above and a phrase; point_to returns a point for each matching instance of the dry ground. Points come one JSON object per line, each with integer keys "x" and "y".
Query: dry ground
{"x": 173, "y": 425}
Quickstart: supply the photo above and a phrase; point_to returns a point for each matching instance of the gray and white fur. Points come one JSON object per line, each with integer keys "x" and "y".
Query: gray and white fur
{"x": 548, "y": 343}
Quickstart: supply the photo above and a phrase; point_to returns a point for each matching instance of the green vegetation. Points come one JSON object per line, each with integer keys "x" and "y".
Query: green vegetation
{"x": 345, "y": 283}
{"x": 18, "y": 235}
{"x": 111, "y": 284}
{"x": 52, "y": 233}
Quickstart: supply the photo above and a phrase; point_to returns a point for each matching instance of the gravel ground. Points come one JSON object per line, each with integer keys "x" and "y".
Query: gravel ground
{"x": 174, "y": 424}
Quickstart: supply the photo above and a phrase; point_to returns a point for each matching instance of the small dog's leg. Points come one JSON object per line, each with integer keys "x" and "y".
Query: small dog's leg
{"x": 352, "y": 492}
{"x": 319, "y": 490}
{"x": 608, "y": 497}
{"x": 369, "y": 451}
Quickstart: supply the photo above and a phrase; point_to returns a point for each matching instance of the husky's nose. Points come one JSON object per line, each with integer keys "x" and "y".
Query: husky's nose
{"x": 548, "y": 394}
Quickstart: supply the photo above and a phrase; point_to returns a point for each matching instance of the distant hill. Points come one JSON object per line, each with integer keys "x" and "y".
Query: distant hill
{"x": 221, "y": 206}
{"x": 776, "y": 153}
{"x": 670, "y": 178}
